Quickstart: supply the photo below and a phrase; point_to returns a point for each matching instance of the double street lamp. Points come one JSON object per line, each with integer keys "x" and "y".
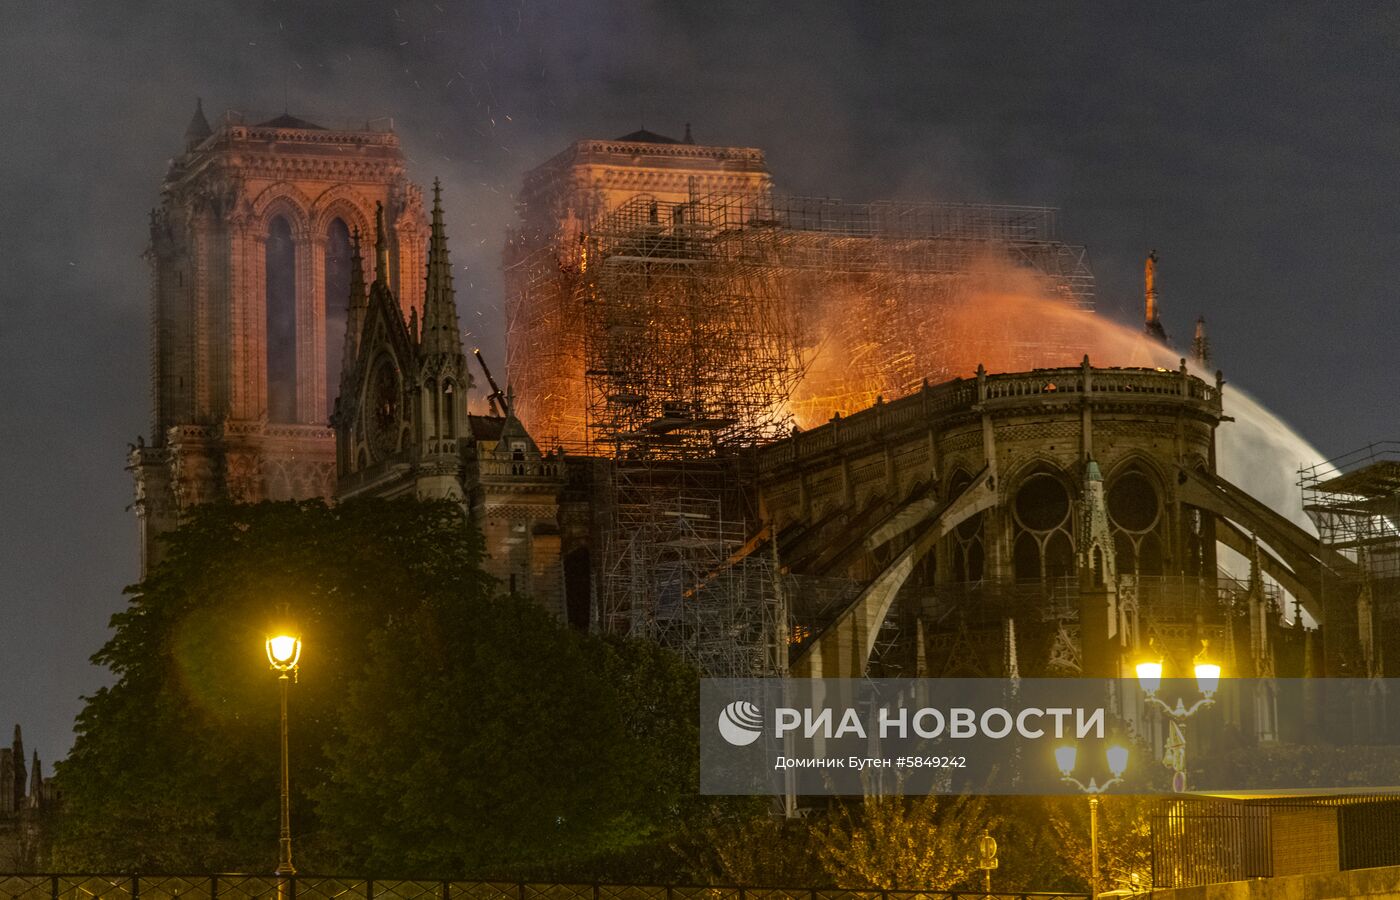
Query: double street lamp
{"x": 283, "y": 652}
{"x": 1117, "y": 757}
{"x": 1207, "y": 681}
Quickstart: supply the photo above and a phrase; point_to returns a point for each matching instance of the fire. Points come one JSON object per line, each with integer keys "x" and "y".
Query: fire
{"x": 871, "y": 338}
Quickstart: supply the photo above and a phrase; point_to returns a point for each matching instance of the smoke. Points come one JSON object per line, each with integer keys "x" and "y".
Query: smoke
{"x": 1010, "y": 102}
{"x": 873, "y": 338}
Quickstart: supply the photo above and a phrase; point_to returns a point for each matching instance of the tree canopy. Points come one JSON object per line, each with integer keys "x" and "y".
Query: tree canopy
{"x": 439, "y": 728}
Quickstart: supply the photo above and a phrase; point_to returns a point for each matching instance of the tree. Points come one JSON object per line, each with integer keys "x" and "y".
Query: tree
{"x": 897, "y": 842}
{"x": 1125, "y": 838}
{"x": 438, "y": 728}
{"x": 489, "y": 742}
{"x": 175, "y": 765}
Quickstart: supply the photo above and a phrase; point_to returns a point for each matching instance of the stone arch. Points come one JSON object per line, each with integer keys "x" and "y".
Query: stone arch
{"x": 1142, "y": 460}
{"x": 450, "y": 425}
{"x": 286, "y": 201}
{"x": 1142, "y": 540}
{"x": 1041, "y": 501}
{"x": 843, "y": 649}
{"x": 332, "y": 278}
{"x": 283, "y": 319}
{"x": 347, "y": 204}
{"x": 283, "y": 198}
{"x": 965, "y": 545}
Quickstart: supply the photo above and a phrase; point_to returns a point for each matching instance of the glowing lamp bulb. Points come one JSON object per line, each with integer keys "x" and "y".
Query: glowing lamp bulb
{"x": 283, "y": 651}
{"x": 1150, "y": 676}
{"x": 1065, "y": 758}
{"x": 1117, "y": 760}
{"x": 1207, "y": 677}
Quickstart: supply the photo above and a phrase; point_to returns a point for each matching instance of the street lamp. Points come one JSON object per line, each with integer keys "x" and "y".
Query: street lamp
{"x": 283, "y": 651}
{"x": 1065, "y": 758}
{"x": 1149, "y": 675}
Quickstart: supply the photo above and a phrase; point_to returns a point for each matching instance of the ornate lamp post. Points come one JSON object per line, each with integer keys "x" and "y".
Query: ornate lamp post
{"x": 1065, "y": 758}
{"x": 283, "y": 651}
{"x": 1208, "y": 681}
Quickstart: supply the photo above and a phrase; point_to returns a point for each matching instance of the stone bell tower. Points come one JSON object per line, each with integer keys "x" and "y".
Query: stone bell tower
{"x": 250, "y": 260}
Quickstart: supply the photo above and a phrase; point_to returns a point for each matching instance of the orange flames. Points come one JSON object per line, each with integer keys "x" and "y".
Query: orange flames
{"x": 876, "y": 335}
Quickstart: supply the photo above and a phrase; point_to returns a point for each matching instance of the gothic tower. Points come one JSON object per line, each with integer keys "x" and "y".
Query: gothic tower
{"x": 401, "y": 418}
{"x": 250, "y": 273}
{"x": 560, "y": 201}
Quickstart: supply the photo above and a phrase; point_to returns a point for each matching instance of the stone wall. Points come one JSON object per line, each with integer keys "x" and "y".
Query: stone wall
{"x": 1383, "y": 882}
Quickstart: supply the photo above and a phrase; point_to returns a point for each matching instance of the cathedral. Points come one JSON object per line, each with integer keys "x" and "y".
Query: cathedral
{"x": 402, "y": 426}
{"x": 250, "y": 269}
{"x": 287, "y": 365}
{"x": 1048, "y": 516}
{"x": 283, "y": 369}
{"x": 306, "y": 342}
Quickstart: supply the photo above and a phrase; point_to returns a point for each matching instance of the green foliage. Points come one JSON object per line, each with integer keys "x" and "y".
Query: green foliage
{"x": 514, "y": 747}
{"x": 739, "y": 840}
{"x": 897, "y": 842}
{"x": 1125, "y": 839}
{"x": 440, "y": 730}
{"x": 437, "y": 729}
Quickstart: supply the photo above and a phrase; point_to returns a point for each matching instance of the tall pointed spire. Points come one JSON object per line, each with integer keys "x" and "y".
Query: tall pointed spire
{"x": 21, "y": 779}
{"x": 198, "y": 129}
{"x": 36, "y": 782}
{"x": 356, "y": 305}
{"x": 1200, "y": 344}
{"x": 381, "y": 246}
{"x": 441, "y": 331}
{"x": 1153, "y": 324}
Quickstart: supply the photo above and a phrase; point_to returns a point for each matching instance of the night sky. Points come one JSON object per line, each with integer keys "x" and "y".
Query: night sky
{"x": 1256, "y": 148}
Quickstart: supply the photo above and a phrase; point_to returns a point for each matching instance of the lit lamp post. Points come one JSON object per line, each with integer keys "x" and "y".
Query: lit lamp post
{"x": 283, "y": 651}
{"x": 1065, "y": 758}
{"x": 1208, "y": 681}
{"x": 987, "y": 856}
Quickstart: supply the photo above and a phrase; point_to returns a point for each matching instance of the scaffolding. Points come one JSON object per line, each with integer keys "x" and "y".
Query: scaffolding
{"x": 667, "y": 336}
{"x": 689, "y": 340}
{"x": 681, "y": 573}
{"x": 716, "y": 321}
{"x": 544, "y": 346}
{"x": 1354, "y": 500}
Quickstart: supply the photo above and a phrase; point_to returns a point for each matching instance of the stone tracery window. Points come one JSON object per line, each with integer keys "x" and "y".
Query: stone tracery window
{"x": 337, "y": 301}
{"x": 281, "y": 296}
{"x": 449, "y": 410}
{"x": 1043, "y": 546}
{"x": 967, "y": 555}
{"x": 1135, "y": 513}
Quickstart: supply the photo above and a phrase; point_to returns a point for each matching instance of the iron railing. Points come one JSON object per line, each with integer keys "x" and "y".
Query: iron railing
{"x": 328, "y": 887}
{"x": 1197, "y": 842}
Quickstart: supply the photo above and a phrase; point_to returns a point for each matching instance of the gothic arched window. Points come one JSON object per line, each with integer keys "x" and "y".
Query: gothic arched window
{"x": 1044, "y": 544}
{"x": 449, "y": 410}
{"x": 1135, "y": 513}
{"x": 965, "y": 543}
{"x": 337, "y": 264}
{"x": 281, "y": 265}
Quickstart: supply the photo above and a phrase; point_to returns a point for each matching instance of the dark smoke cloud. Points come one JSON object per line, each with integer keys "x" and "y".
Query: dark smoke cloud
{"x": 1255, "y": 147}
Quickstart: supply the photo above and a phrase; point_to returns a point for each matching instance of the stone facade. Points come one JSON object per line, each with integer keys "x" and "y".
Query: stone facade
{"x": 1058, "y": 521}
{"x": 402, "y": 427}
{"x": 216, "y": 432}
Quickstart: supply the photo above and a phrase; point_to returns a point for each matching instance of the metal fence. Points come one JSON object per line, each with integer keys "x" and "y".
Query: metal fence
{"x": 1197, "y": 842}
{"x": 320, "y": 887}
